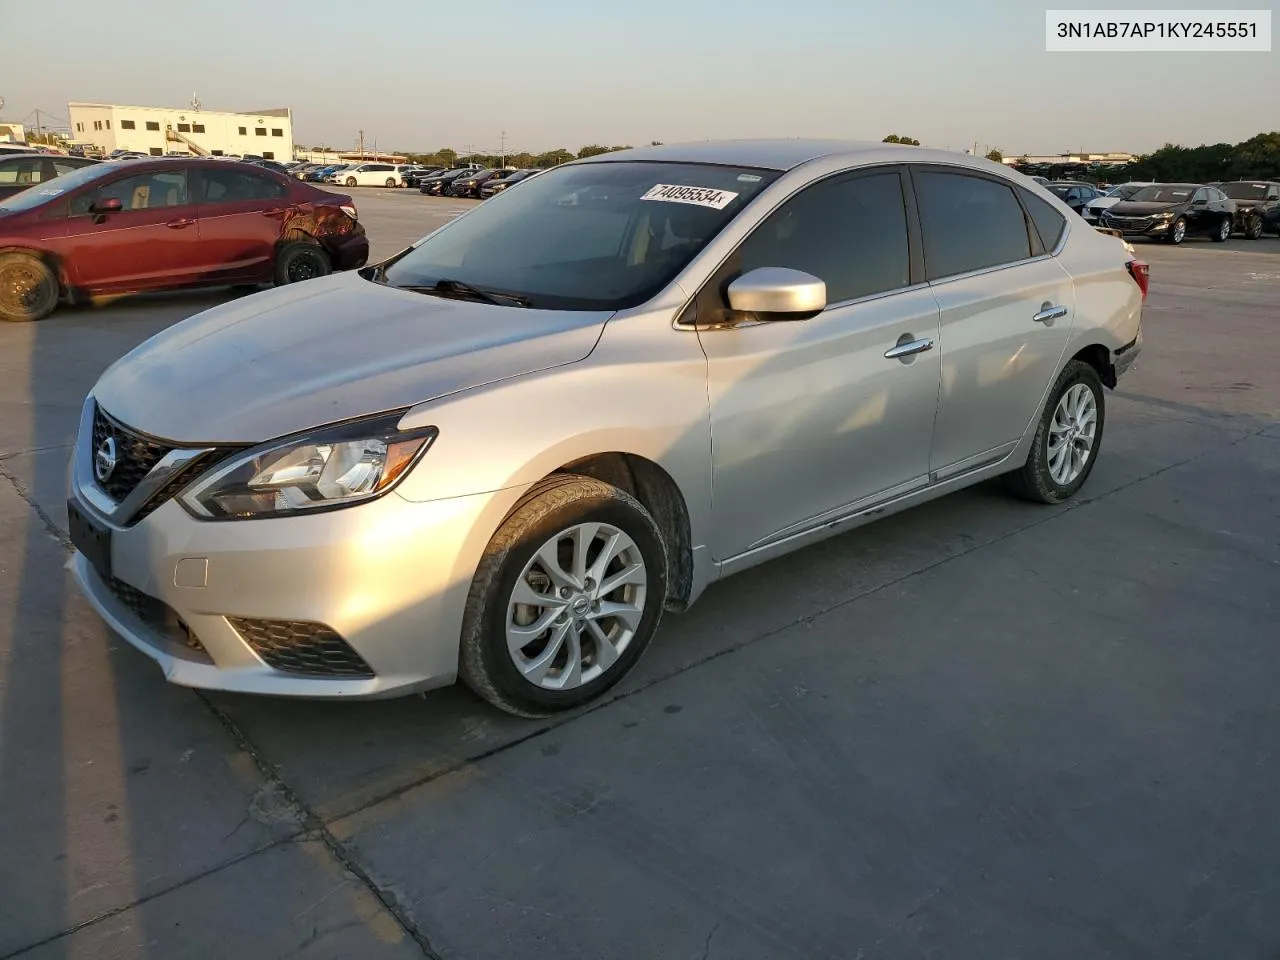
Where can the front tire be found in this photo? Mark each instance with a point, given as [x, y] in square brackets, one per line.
[1177, 232]
[28, 288]
[351, 181]
[1067, 439]
[1253, 228]
[300, 260]
[565, 599]
[1223, 233]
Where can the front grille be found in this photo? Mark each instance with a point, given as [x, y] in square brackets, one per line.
[136, 455]
[307, 649]
[1129, 221]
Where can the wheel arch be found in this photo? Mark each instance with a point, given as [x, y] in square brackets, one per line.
[1099, 357]
[50, 259]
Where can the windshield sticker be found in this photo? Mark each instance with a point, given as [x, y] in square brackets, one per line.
[51, 192]
[748, 178]
[698, 196]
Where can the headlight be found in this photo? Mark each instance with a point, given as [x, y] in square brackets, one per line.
[328, 468]
[1165, 215]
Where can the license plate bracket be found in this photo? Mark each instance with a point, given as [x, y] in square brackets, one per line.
[91, 538]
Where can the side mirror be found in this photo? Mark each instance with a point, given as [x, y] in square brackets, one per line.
[107, 205]
[778, 290]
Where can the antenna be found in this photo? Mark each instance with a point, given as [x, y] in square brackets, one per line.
[195, 102]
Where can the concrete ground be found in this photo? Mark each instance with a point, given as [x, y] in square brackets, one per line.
[980, 729]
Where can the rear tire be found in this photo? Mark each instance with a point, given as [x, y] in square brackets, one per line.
[300, 260]
[1223, 233]
[1036, 480]
[391, 181]
[580, 652]
[28, 288]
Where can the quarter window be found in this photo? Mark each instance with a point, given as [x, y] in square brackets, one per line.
[851, 233]
[147, 191]
[1049, 223]
[22, 172]
[969, 223]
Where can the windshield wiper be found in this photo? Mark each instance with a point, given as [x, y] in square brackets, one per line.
[447, 286]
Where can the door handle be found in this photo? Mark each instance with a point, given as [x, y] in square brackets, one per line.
[1048, 314]
[908, 348]
[179, 224]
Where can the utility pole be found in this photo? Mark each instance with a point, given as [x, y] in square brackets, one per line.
[361, 144]
[503, 138]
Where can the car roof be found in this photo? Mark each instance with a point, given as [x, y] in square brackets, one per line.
[788, 154]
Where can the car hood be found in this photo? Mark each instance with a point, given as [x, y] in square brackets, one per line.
[1127, 208]
[325, 350]
[1103, 203]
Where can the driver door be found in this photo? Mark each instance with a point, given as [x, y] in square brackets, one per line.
[809, 418]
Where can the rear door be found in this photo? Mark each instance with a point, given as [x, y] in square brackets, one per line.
[1006, 310]
[242, 213]
[151, 242]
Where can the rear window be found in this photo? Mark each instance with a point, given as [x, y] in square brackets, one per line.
[969, 223]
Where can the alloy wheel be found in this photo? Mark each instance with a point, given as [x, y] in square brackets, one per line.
[1224, 229]
[1071, 434]
[19, 286]
[576, 606]
[1179, 231]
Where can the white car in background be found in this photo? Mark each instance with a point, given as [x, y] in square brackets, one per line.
[373, 175]
[1092, 211]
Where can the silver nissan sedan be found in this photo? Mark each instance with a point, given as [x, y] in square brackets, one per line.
[503, 453]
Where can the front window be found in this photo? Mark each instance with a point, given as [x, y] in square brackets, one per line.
[59, 187]
[1164, 193]
[596, 236]
[1245, 191]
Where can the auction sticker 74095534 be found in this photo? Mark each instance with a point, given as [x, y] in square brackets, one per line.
[699, 196]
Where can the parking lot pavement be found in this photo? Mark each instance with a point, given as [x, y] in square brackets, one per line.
[980, 728]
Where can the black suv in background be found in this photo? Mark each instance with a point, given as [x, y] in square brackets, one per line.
[1257, 206]
[1173, 212]
[437, 184]
[1074, 193]
[414, 178]
[470, 186]
[498, 184]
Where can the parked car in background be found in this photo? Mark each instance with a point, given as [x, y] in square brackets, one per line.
[414, 178]
[1073, 193]
[369, 175]
[160, 223]
[1172, 212]
[1093, 209]
[1257, 206]
[20, 171]
[499, 184]
[269, 165]
[470, 184]
[436, 184]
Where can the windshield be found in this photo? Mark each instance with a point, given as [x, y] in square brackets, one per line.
[57, 187]
[1062, 189]
[1165, 193]
[596, 236]
[1124, 191]
[1245, 191]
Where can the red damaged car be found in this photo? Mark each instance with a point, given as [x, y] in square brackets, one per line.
[142, 225]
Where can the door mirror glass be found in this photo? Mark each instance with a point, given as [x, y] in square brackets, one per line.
[778, 290]
[107, 205]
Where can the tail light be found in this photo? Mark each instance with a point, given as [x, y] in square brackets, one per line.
[350, 211]
[1141, 273]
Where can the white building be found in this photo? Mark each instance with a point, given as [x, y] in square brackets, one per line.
[12, 132]
[161, 130]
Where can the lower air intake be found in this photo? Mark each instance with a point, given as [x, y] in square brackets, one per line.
[298, 647]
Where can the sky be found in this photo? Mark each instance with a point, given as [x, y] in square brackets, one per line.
[417, 75]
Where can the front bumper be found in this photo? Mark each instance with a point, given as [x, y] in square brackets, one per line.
[389, 578]
[1153, 228]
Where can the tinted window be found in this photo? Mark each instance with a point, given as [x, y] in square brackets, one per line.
[1049, 223]
[146, 191]
[850, 233]
[229, 186]
[968, 223]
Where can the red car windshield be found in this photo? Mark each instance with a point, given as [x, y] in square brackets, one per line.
[51, 190]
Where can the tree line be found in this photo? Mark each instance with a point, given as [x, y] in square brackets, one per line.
[522, 159]
[1255, 158]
